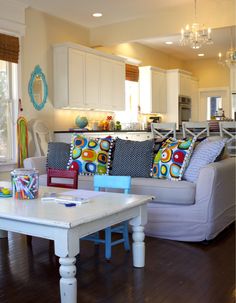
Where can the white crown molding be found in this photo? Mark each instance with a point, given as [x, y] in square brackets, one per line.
[12, 17]
[13, 28]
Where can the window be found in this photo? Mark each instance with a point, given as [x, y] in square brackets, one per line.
[131, 103]
[8, 95]
[9, 53]
[130, 115]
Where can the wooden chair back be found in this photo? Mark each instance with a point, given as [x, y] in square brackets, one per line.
[116, 182]
[168, 128]
[66, 174]
[195, 129]
[228, 129]
[41, 136]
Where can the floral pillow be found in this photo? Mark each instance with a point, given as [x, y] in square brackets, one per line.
[90, 155]
[172, 159]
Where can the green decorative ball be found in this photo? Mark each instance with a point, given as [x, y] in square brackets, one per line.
[81, 122]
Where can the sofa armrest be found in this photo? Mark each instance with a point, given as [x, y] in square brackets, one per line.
[36, 162]
[216, 187]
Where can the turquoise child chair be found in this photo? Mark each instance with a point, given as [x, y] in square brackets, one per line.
[114, 182]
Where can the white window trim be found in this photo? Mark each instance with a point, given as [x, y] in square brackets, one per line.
[7, 167]
[15, 96]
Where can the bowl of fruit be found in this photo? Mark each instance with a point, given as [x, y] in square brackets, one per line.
[5, 189]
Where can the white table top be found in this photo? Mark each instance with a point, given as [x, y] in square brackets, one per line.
[50, 213]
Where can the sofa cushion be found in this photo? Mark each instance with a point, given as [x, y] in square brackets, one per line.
[206, 152]
[164, 191]
[58, 155]
[172, 159]
[90, 155]
[132, 158]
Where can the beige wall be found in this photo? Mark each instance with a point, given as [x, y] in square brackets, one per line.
[42, 31]
[147, 55]
[209, 72]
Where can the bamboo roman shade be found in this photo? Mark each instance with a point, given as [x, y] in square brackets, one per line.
[131, 72]
[9, 48]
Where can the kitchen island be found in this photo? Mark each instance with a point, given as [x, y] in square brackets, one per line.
[137, 135]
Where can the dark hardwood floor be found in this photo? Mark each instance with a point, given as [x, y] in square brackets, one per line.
[175, 272]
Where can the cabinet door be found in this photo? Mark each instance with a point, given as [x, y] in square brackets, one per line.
[118, 86]
[194, 100]
[76, 69]
[159, 102]
[185, 85]
[60, 77]
[106, 99]
[92, 81]
[162, 93]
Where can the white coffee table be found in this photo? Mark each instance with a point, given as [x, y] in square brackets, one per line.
[66, 225]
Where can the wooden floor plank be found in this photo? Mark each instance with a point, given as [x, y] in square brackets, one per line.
[175, 272]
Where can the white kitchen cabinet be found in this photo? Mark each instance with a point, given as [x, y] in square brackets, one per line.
[233, 79]
[92, 81]
[152, 90]
[185, 82]
[181, 83]
[88, 79]
[112, 85]
[118, 86]
[69, 64]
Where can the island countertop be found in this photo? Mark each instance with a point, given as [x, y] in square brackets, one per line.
[100, 131]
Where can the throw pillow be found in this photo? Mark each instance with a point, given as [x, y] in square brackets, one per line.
[90, 155]
[58, 155]
[157, 144]
[205, 153]
[132, 158]
[172, 159]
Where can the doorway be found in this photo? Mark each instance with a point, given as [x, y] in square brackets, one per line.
[211, 100]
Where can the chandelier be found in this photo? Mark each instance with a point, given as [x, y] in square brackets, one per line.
[230, 56]
[197, 34]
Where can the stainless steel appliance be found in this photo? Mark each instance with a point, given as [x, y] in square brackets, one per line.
[184, 109]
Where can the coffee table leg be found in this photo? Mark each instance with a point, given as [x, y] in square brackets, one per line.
[68, 282]
[138, 246]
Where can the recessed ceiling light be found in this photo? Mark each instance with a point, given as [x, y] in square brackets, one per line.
[201, 55]
[97, 15]
[169, 42]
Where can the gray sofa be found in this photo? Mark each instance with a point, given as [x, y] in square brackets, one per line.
[181, 210]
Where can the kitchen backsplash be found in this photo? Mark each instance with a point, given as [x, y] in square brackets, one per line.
[65, 119]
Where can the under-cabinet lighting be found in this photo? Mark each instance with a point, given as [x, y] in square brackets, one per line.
[169, 42]
[201, 55]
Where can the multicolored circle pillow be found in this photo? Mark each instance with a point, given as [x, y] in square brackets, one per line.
[172, 159]
[90, 155]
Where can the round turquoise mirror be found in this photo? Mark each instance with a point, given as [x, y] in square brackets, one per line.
[38, 88]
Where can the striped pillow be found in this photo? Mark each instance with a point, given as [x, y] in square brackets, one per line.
[205, 153]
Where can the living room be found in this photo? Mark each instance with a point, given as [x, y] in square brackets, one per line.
[129, 34]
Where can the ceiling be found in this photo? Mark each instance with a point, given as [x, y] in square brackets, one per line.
[80, 12]
[220, 36]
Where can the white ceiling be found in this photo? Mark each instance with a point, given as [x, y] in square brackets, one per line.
[220, 36]
[114, 11]
[80, 12]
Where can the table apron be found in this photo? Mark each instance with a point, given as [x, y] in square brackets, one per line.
[66, 240]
